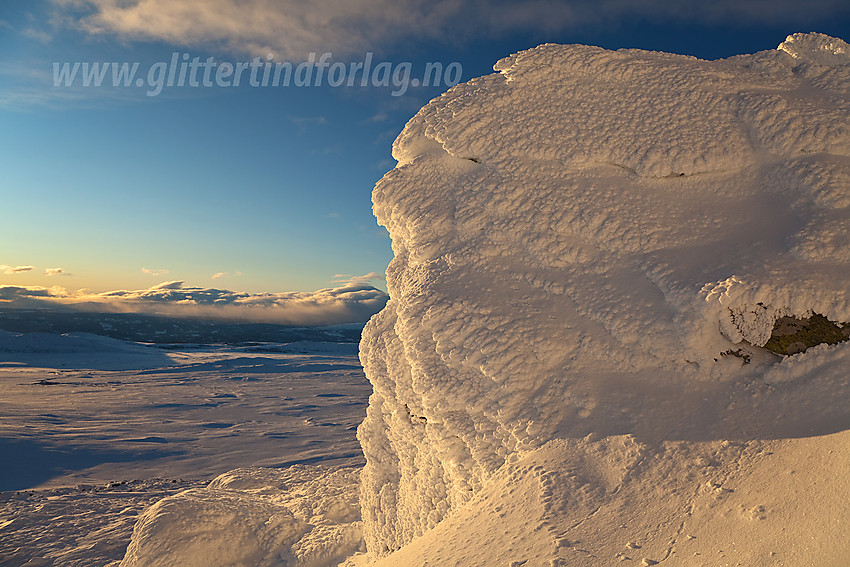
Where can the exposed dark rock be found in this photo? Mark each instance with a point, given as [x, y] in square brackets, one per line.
[792, 335]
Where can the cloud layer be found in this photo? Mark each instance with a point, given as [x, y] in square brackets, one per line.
[291, 29]
[349, 303]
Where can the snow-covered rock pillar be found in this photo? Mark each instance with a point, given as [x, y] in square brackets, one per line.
[580, 229]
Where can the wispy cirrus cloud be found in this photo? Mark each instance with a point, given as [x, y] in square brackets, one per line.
[151, 272]
[304, 122]
[219, 275]
[9, 270]
[346, 303]
[56, 272]
[358, 280]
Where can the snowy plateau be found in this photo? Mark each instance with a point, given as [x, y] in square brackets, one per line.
[592, 251]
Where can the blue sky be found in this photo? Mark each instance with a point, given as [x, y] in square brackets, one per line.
[266, 188]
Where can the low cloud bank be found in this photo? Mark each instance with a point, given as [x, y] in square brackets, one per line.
[349, 303]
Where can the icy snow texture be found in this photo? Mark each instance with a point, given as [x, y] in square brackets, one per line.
[585, 234]
[304, 516]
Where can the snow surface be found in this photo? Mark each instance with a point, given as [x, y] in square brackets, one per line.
[86, 450]
[592, 243]
[77, 350]
[591, 248]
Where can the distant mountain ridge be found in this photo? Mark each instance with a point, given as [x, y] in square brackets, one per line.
[161, 329]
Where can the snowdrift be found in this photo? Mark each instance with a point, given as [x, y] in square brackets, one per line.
[77, 350]
[591, 251]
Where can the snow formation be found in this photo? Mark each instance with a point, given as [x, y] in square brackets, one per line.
[591, 243]
[304, 516]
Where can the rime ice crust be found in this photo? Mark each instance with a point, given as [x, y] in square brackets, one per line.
[816, 47]
[584, 230]
[303, 516]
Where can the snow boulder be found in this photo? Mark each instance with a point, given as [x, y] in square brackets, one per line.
[592, 243]
[303, 516]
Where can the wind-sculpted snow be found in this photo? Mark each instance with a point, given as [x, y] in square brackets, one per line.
[305, 516]
[591, 242]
